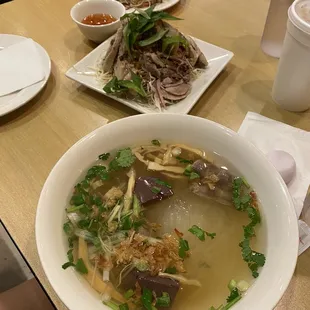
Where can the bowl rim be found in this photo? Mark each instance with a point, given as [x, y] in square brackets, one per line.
[291, 210]
[78, 4]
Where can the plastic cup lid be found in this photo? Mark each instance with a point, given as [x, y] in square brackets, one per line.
[299, 14]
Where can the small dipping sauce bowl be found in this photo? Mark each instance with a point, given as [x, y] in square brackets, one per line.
[97, 33]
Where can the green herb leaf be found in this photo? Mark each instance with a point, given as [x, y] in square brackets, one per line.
[123, 307]
[77, 199]
[163, 15]
[97, 171]
[155, 142]
[233, 295]
[68, 264]
[156, 37]
[126, 223]
[104, 156]
[183, 247]
[80, 266]
[163, 301]
[146, 298]
[211, 235]
[183, 160]
[160, 182]
[194, 175]
[129, 294]
[188, 170]
[171, 270]
[175, 41]
[68, 228]
[198, 232]
[123, 159]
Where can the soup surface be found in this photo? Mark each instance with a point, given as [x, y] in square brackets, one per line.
[193, 202]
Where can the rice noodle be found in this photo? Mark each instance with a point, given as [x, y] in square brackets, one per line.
[157, 167]
[180, 278]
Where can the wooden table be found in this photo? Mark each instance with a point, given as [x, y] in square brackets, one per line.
[34, 137]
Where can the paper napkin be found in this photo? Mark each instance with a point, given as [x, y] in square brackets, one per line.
[20, 67]
[267, 135]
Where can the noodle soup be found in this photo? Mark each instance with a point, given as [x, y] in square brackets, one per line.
[165, 226]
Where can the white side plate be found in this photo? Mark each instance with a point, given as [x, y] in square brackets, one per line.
[216, 56]
[166, 4]
[15, 100]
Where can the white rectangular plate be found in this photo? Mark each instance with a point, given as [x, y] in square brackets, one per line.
[216, 56]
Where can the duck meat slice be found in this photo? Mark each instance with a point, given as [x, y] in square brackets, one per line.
[197, 58]
[172, 97]
[150, 189]
[178, 90]
[109, 59]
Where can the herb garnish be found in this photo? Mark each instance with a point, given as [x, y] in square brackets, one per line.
[146, 299]
[123, 159]
[79, 266]
[163, 301]
[118, 86]
[190, 173]
[243, 201]
[171, 270]
[104, 156]
[155, 142]
[160, 182]
[233, 298]
[129, 294]
[183, 247]
[183, 160]
[200, 233]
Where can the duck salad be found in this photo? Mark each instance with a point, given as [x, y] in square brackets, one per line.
[150, 61]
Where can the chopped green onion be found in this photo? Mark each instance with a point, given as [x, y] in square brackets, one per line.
[232, 284]
[129, 294]
[111, 304]
[68, 228]
[194, 175]
[163, 301]
[146, 298]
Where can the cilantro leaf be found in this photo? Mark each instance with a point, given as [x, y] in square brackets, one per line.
[97, 171]
[160, 182]
[68, 228]
[123, 159]
[211, 235]
[183, 247]
[198, 232]
[155, 189]
[80, 266]
[194, 175]
[163, 301]
[104, 156]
